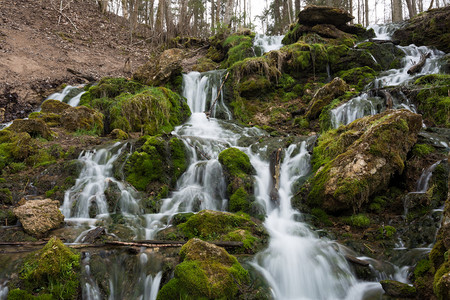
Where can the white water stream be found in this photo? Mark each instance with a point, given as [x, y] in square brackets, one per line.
[364, 104]
[268, 43]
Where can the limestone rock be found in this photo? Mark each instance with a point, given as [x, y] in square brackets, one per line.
[161, 69]
[33, 127]
[397, 289]
[358, 160]
[430, 28]
[337, 87]
[313, 15]
[81, 117]
[39, 216]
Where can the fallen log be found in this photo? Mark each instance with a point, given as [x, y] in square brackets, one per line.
[418, 66]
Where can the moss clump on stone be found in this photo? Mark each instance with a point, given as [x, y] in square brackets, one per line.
[359, 220]
[433, 100]
[420, 150]
[353, 162]
[52, 270]
[358, 77]
[239, 47]
[111, 87]
[156, 164]
[207, 272]
[236, 162]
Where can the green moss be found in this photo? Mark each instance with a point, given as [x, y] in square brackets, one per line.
[321, 216]
[386, 232]
[422, 268]
[111, 88]
[239, 201]
[6, 196]
[207, 272]
[254, 87]
[18, 294]
[359, 220]
[52, 270]
[358, 77]
[179, 158]
[421, 150]
[433, 100]
[438, 284]
[236, 162]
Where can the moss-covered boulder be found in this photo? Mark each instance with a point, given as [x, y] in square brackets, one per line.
[35, 128]
[38, 217]
[223, 226]
[207, 272]
[430, 28]
[337, 87]
[397, 289]
[49, 273]
[54, 106]
[156, 165]
[239, 176]
[430, 94]
[355, 161]
[358, 77]
[161, 69]
[82, 118]
[239, 46]
[387, 55]
[131, 107]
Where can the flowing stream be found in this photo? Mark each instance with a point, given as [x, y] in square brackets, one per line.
[368, 104]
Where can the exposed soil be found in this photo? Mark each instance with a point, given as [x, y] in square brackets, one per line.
[38, 45]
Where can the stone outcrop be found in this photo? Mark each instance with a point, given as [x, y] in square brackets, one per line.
[162, 69]
[430, 28]
[313, 15]
[39, 216]
[337, 87]
[34, 128]
[356, 161]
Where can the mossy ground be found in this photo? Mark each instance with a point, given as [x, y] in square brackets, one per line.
[50, 273]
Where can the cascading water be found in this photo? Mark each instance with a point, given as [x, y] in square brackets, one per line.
[267, 43]
[86, 201]
[3, 290]
[203, 185]
[70, 94]
[297, 264]
[422, 183]
[365, 104]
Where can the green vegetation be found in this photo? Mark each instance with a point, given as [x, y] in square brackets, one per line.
[207, 272]
[359, 220]
[433, 99]
[358, 77]
[51, 273]
[420, 150]
[236, 162]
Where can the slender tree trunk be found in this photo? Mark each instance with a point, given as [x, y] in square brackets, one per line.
[397, 13]
[297, 8]
[366, 9]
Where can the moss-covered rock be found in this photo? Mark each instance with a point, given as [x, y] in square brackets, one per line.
[432, 100]
[156, 165]
[357, 160]
[161, 69]
[52, 271]
[324, 96]
[207, 272]
[238, 174]
[129, 106]
[35, 128]
[427, 29]
[239, 47]
[82, 118]
[54, 106]
[387, 55]
[397, 289]
[358, 77]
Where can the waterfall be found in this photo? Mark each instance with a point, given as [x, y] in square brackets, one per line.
[364, 104]
[297, 264]
[268, 43]
[422, 183]
[63, 96]
[3, 290]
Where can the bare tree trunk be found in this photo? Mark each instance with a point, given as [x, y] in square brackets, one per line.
[297, 8]
[218, 12]
[397, 13]
[431, 4]
[366, 9]
[411, 5]
[228, 12]
[212, 16]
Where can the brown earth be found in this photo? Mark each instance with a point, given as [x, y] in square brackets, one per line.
[38, 45]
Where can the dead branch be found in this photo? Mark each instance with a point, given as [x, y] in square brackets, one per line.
[417, 67]
[208, 113]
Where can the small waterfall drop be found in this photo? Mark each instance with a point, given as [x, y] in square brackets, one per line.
[422, 183]
[365, 104]
[63, 95]
[297, 264]
[3, 290]
[268, 43]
